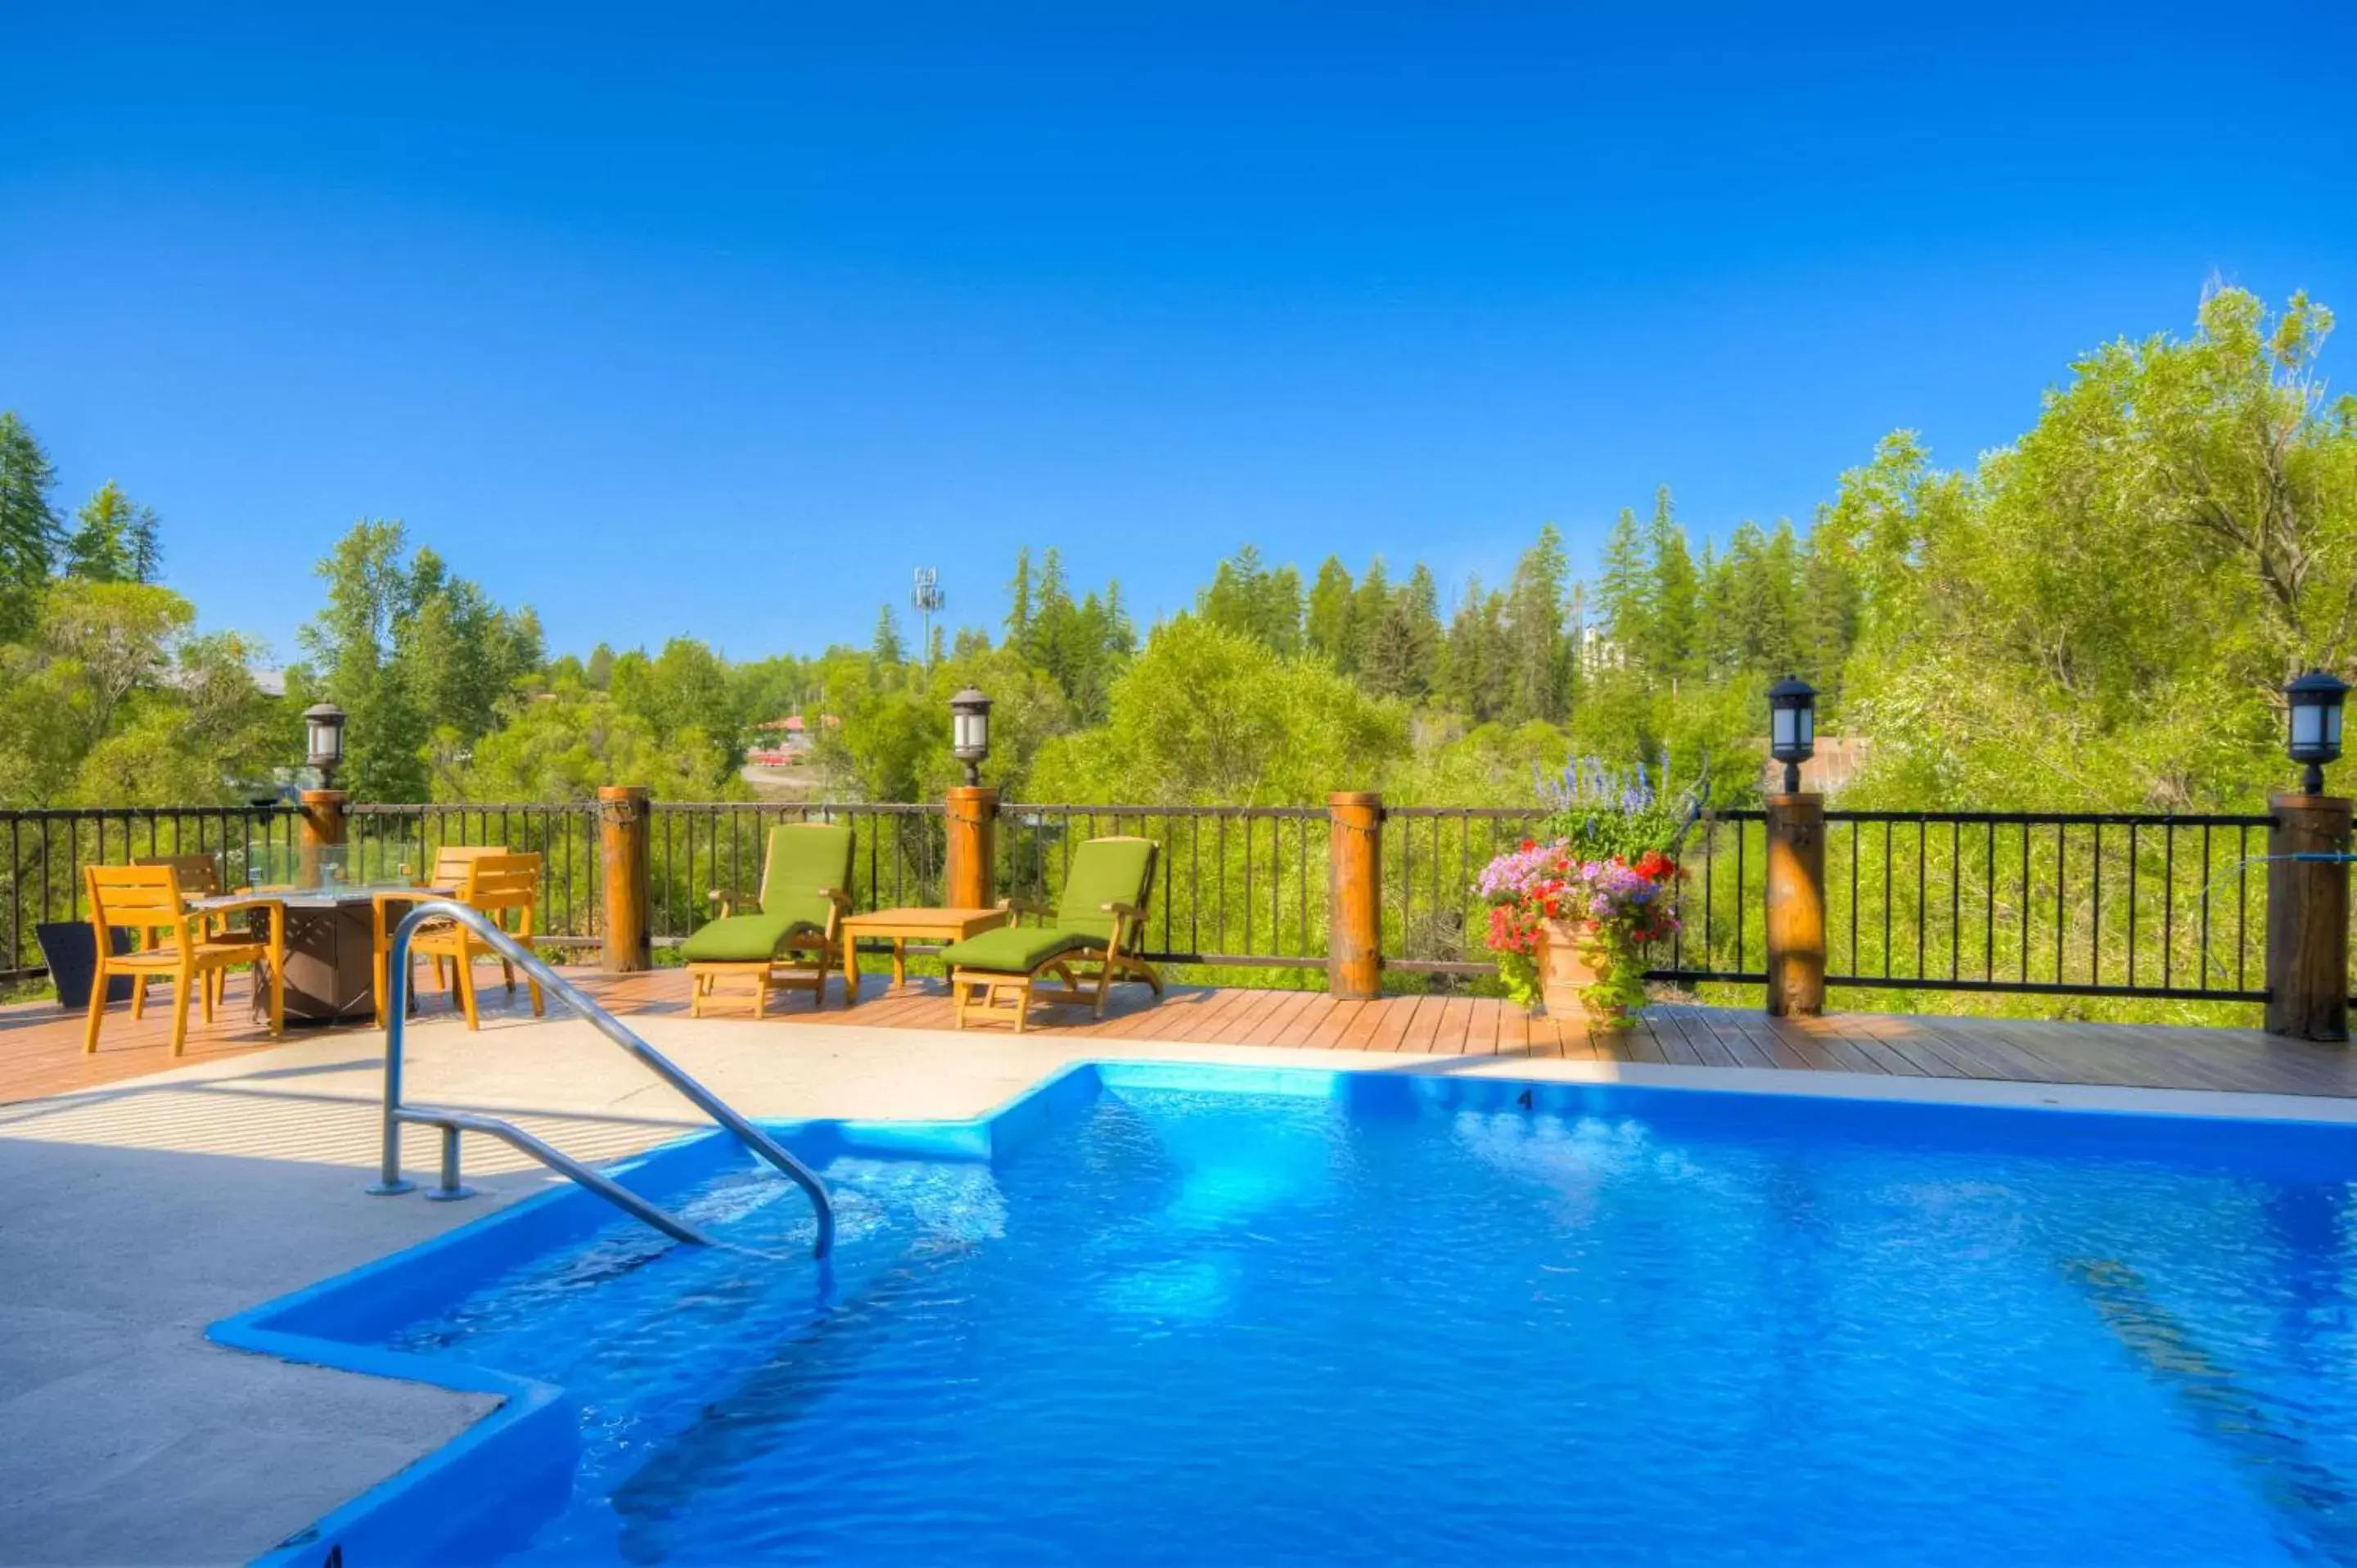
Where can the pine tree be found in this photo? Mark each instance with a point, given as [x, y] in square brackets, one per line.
[1538, 684]
[1059, 641]
[1404, 654]
[1247, 597]
[1673, 631]
[1018, 614]
[28, 525]
[1279, 615]
[1417, 607]
[1329, 629]
[1369, 603]
[886, 649]
[1474, 663]
[1781, 637]
[113, 540]
[1718, 646]
[1121, 635]
[1624, 599]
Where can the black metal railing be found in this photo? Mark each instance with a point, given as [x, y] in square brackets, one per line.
[2132, 905]
[1436, 924]
[2086, 904]
[399, 842]
[2139, 905]
[46, 850]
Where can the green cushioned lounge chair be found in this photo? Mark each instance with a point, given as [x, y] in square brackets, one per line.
[1085, 945]
[793, 936]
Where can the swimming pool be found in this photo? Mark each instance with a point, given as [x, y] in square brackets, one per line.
[1179, 1314]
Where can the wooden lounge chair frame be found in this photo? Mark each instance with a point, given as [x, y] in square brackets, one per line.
[1083, 975]
[804, 962]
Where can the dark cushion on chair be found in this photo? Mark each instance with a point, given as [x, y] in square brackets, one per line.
[746, 939]
[1011, 950]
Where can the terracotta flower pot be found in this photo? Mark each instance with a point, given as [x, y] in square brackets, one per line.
[1568, 966]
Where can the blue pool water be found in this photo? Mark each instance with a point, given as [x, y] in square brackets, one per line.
[1177, 1325]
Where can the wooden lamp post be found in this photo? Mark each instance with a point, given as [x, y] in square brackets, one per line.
[1796, 859]
[323, 808]
[2307, 875]
[973, 806]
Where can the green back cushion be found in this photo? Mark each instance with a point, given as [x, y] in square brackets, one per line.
[1104, 871]
[805, 859]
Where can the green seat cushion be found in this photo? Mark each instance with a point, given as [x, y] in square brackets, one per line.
[804, 860]
[1104, 871]
[746, 939]
[1012, 949]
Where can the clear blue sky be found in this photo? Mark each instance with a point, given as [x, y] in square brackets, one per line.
[718, 320]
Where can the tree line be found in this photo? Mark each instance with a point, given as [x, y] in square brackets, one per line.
[2099, 614]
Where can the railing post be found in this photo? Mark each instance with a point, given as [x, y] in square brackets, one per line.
[322, 827]
[1354, 895]
[623, 817]
[973, 829]
[2308, 917]
[1796, 905]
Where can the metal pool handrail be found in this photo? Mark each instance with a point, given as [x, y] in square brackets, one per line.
[453, 1123]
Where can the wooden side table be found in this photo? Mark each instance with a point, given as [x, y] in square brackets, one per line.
[902, 927]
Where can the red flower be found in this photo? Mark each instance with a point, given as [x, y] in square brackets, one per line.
[1529, 844]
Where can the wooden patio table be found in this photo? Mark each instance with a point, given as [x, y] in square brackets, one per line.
[904, 926]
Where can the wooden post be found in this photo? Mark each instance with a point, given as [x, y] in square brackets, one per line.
[973, 824]
[322, 827]
[1354, 895]
[2308, 919]
[623, 819]
[1796, 905]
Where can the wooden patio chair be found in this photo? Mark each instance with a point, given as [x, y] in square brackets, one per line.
[1087, 945]
[504, 887]
[199, 878]
[794, 937]
[176, 943]
[450, 863]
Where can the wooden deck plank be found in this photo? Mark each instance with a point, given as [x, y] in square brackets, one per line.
[1340, 1021]
[1281, 1017]
[1512, 1035]
[1305, 1023]
[1393, 1016]
[41, 1047]
[1455, 1027]
[1243, 1024]
[1362, 1026]
[1671, 1040]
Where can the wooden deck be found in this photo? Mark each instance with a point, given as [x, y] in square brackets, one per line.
[40, 1048]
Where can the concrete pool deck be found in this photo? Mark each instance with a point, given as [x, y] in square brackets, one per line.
[134, 1214]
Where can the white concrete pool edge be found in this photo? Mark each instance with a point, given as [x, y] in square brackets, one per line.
[133, 1216]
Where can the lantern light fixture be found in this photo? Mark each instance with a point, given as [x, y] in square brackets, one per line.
[2314, 701]
[970, 731]
[1791, 726]
[323, 735]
